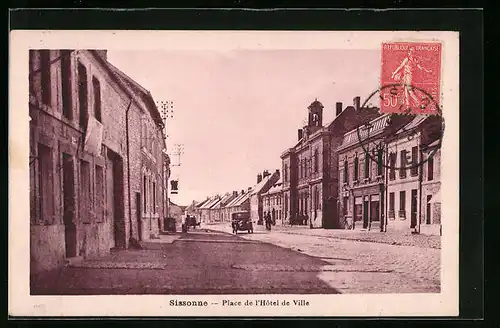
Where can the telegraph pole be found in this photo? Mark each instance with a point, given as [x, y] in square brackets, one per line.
[166, 108]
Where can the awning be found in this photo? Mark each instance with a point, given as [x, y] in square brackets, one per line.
[436, 198]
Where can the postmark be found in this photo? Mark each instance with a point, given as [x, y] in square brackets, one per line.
[416, 68]
[400, 124]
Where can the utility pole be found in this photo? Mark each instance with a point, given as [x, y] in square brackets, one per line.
[167, 112]
[178, 152]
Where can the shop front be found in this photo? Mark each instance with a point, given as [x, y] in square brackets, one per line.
[367, 211]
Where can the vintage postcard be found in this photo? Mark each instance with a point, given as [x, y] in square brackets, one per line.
[234, 173]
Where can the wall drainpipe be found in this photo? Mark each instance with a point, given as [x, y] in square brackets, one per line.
[128, 169]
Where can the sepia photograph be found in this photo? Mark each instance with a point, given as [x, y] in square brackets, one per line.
[241, 167]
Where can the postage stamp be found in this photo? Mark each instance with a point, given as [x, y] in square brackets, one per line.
[413, 72]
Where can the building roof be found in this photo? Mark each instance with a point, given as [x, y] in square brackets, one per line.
[144, 94]
[235, 200]
[373, 128]
[201, 204]
[215, 203]
[261, 185]
[242, 199]
[417, 120]
[276, 188]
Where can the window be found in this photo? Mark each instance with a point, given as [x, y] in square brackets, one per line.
[356, 168]
[367, 165]
[402, 204]
[414, 159]
[46, 184]
[428, 210]
[85, 192]
[316, 160]
[99, 193]
[402, 169]
[430, 169]
[154, 197]
[97, 99]
[83, 95]
[380, 167]
[145, 191]
[346, 171]
[285, 173]
[45, 76]
[67, 101]
[391, 205]
[345, 205]
[392, 173]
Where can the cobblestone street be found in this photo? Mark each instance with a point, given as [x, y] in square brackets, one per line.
[213, 261]
[366, 266]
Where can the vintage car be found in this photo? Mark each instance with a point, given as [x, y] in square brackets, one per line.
[240, 221]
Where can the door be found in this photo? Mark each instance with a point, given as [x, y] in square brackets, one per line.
[365, 214]
[413, 208]
[110, 201]
[138, 215]
[428, 214]
[69, 205]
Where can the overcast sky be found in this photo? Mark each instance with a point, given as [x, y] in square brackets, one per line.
[236, 111]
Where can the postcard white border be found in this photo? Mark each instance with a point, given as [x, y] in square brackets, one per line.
[22, 304]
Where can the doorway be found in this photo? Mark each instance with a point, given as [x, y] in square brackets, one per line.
[428, 214]
[365, 214]
[138, 215]
[413, 208]
[69, 206]
[115, 199]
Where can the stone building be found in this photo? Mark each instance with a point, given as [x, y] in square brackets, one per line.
[272, 202]
[310, 167]
[220, 214]
[361, 158]
[408, 192]
[431, 189]
[85, 157]
[238, 204]
[264, 182]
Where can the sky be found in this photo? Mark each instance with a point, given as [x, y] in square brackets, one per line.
[236, 111]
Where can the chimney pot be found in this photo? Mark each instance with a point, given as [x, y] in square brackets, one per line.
[259, 177]
[242, 191]
[338, 109]
[357, 102]
[299, 134]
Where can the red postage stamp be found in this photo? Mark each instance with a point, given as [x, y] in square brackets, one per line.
[410, 79]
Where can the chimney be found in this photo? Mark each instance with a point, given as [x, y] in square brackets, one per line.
[259, 178]
[242, 191]
[265, 174]
[235, 193]
[278, 172]
[338, 109]
[300, 133]
[357, 102]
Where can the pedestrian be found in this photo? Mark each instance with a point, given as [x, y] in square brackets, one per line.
[306, 219]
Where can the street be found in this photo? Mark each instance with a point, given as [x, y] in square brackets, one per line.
[213, 261]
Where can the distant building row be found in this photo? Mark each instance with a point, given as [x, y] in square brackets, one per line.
[363, 170]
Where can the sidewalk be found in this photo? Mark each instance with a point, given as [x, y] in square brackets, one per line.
[390, 238]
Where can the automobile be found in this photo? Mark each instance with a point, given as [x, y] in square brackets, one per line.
[240, 221]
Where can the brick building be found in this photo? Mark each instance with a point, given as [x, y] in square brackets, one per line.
[85, 157]
[310, 167]
[361, 158]
[409, 188]
[272, 202]
[264, 182]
